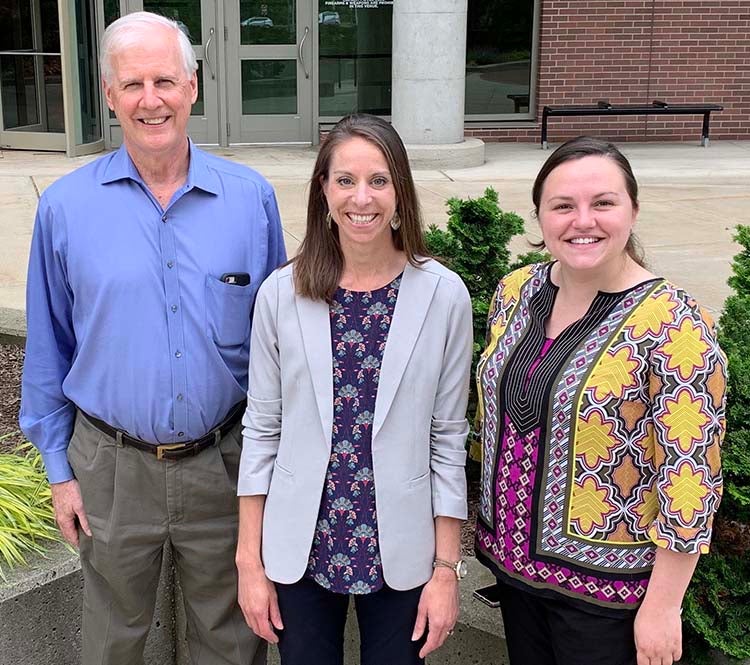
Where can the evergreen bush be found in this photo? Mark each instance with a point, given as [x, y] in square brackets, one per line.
[717, 605]
[26, 515]
[475, 246]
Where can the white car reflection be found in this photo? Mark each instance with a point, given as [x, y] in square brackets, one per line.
[257, 22]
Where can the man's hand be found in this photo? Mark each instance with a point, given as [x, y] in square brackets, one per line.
[438, 610]
[68, 505]
[658, 634]
[256, 595]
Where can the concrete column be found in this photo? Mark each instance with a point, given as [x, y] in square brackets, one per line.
[429, 70]
[428, 79]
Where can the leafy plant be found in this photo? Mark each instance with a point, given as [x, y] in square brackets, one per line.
[26, 516]
[490, 56]
[717, 605]
[475, 246]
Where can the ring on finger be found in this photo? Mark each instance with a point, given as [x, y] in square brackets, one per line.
[450, 632]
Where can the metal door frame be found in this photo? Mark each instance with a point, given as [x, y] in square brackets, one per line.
[216, 14]
[207, 53]
[37, 139]
[303, 52]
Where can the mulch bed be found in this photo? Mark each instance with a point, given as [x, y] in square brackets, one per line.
[11, 362]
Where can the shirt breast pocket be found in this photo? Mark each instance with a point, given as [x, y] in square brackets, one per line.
[228, 310]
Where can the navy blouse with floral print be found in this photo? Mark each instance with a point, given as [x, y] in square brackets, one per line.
[345, 557]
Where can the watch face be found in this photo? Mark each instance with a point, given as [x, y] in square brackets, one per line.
[462, 569]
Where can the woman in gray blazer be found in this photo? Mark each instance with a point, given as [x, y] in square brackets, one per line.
[352, 474]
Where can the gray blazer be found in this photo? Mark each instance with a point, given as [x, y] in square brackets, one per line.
[418, 433]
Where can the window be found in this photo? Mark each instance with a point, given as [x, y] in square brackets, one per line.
[499, 49]
[355, 57]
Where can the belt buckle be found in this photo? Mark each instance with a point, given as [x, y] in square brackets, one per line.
[160, 450]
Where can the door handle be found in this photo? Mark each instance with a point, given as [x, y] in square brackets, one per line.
[207, 56]
[299, 53]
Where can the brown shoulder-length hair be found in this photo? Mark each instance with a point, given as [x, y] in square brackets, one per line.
[320, 262]
[586, 146]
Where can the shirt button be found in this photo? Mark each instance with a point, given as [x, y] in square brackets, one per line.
[180, 433]
[178, 354]
[173, 308]
[179, 397]
[170, 264]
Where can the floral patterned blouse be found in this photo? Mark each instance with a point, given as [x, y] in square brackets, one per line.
[345, 557]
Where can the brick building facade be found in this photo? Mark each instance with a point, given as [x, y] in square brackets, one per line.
[635, 51]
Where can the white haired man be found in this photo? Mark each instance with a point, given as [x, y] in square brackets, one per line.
[143, 271]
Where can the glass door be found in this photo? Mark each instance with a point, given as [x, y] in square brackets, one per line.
[269, 56]
[198, 20]
[255, 68]
[31, 84]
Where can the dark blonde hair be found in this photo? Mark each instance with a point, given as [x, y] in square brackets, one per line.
[320, 262]
[588, 146]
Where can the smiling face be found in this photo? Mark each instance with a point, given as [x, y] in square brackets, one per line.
[151, 95]
[360, 194]
[586, 214]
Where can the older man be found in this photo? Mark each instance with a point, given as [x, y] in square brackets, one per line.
[143, 270]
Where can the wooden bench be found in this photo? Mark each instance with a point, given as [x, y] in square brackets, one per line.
[657, 107]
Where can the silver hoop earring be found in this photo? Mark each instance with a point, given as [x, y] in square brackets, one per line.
[395, 222]
[329, 220]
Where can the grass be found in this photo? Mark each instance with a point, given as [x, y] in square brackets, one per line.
[27, 522]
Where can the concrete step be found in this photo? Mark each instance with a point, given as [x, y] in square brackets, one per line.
[40, 615]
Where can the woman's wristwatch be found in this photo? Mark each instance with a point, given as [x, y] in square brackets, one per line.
[459, 567]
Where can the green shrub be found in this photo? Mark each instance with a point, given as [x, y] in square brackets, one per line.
[475, 246]
[26, 516]
[717, 605]
[491, 56]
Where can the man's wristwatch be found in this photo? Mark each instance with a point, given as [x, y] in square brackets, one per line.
[459, 567]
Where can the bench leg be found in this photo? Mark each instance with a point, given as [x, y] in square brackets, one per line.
[704, 130]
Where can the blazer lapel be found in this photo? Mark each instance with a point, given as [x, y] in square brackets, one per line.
[414, 298]
[315, 324]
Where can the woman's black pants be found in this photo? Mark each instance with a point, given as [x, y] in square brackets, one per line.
[546, 631]
[314, 621]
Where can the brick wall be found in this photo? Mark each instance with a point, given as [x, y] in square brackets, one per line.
[635, 51]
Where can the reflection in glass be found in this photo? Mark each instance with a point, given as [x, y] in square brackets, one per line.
[111, 11]
[198, 107]
[32, 93]
[19, 91]
[88, 122]
[15, 25]
[269, 87]
[50, 26]
[268, 22]
[187, 14]
[355, 58]
[54, 116]
[498, 56]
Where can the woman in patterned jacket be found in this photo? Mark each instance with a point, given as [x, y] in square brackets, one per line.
[602, 393]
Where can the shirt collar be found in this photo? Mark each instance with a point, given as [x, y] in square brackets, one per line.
[121, 167]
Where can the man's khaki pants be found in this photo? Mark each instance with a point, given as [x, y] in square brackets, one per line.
[135, 504]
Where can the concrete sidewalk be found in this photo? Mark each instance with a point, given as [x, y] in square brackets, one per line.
[691, 199]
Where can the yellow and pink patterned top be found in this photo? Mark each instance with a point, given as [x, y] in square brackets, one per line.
[599, 446]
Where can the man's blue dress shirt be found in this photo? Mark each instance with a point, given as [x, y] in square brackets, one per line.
[127, 317]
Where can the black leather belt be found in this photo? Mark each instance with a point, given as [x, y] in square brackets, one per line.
[173, 451]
